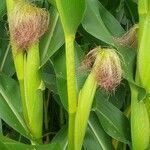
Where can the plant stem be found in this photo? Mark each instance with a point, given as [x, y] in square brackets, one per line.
[143, 10]
[71, 131]
[71, 87]
[140, 114]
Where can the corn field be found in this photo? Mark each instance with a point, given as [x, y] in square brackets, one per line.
[74, 74]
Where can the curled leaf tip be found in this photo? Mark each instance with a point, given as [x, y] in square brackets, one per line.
[129, 39]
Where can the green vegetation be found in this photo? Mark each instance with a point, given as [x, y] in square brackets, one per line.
[75, 74]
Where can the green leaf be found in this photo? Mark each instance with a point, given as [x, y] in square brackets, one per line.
[1, 128]
[2, 8]
[111, 6]
[95, 136]
[52, 2]
[52, 146]
[131, 10]
[10, 106]
[128, 56]
[2, 146]
[61, 138]
[13, 145]
[48, 77]
[100, 23]
[6, 61]
[111, 23]
[112, 119]
[71, 13]
[120, 96]
[59, 61]
[53, 39]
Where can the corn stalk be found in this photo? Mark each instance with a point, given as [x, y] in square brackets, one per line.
[140, 110]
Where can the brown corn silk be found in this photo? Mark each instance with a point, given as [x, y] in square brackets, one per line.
[107, 69]
[108, 72]
[129, 39]
[27, 24]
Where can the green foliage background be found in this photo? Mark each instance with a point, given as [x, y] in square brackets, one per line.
[108, 124]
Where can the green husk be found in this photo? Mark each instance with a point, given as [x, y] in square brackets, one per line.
[27, 62]
[140, 110]
[107, 64]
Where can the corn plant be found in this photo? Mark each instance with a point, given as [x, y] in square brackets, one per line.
[74, 75]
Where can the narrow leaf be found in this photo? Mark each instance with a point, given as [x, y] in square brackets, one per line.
[95, 134]
[113, 120]
[53, 39]
[10, 104]
[61, 138]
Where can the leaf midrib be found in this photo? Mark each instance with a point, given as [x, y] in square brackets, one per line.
[96, 135]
